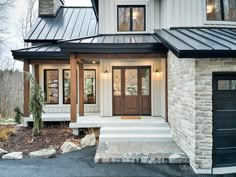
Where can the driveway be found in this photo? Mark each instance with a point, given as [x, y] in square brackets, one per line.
[81, 164]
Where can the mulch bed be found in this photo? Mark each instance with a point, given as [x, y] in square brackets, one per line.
[52, 136]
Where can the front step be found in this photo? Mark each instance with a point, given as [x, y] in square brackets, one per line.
[135, 130]
[135, 138]
[127, 123]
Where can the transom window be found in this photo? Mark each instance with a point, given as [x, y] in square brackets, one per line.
[221, 10]
[131, 18]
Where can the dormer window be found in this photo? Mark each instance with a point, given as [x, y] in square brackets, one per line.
[131, 18]
[221, 10]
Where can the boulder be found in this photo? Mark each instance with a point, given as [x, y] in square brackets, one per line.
[69, 147]
[13, 156]
[44, 153]
[2, 151]
[88, 140]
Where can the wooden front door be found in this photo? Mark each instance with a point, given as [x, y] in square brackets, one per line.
[131, 91]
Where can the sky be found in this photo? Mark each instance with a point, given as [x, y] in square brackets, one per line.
[13, 34]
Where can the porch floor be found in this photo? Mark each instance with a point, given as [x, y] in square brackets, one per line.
[152, 153]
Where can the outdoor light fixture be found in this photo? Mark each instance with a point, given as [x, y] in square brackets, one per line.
[94, 62]
[157, 71]
[106, 72]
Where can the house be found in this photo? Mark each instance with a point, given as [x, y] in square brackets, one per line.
[173, 59]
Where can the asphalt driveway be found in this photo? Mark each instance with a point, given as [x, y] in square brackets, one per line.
[80, 164]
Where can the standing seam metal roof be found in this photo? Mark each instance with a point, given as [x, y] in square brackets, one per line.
[199, 42]
[69, 23]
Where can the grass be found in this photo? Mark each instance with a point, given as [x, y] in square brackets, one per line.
[6, 132]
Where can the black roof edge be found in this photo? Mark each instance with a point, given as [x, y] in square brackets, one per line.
[202, 27]
[95, 8]
[39, 55]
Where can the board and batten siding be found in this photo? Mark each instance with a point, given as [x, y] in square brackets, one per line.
[108, 15]
[159, 14]
[158, 84]
[65, 108]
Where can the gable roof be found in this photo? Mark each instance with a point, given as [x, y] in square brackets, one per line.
[201, 42]
[69, 23]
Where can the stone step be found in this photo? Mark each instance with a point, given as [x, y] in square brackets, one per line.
[135, 130]
[136, 138]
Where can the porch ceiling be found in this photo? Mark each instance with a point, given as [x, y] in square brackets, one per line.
[200, 42]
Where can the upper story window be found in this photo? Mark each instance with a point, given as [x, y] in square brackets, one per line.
[221, 10]
[131, 18]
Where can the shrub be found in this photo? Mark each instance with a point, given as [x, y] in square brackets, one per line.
[18, 115]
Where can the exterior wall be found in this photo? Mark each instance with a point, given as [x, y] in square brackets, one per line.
[49, 7]
[186, 13]
[157, 82]
[108, 14]
[190, 105]
[65, 108]
[181, 103]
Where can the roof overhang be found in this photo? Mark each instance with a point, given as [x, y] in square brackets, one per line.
[43, 52]
[115, 44]
[199, 42]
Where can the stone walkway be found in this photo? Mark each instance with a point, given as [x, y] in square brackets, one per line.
[152, 153]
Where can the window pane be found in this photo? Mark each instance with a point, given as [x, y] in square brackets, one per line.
[131, 82]
[226, 84]
[117, 82]
[51, 86]
[138, 19]
[230, 10]
[214, 10]
[90, 86]
[124, 19]
[145, 81]
[66, 89]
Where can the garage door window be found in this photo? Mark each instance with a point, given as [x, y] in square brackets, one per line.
[226, 85]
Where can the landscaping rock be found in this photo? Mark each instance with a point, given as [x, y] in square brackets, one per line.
[44, 153]
[88, 140]
[2, 151]
[69, 147]
[13, 156]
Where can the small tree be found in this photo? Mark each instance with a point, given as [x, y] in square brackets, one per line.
[36, 103]
[18, 115]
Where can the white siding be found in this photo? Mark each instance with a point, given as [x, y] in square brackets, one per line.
[65, 108]
[157, 82]
[108, 14]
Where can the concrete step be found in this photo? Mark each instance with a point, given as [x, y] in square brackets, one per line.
[135, 130]
[136, 138]
[135, 124]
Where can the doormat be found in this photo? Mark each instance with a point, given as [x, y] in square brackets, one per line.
[130, 117]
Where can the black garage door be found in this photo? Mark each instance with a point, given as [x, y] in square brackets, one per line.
[224, 119]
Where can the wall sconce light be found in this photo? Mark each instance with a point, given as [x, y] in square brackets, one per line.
[106, 72]
[157, 71]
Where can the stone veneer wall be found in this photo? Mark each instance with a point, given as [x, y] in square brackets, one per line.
[190, 105]
[49, 7]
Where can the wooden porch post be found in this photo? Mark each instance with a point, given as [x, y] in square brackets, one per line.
[26, 88]
[81, 89]
[36, 73]
[73, 95]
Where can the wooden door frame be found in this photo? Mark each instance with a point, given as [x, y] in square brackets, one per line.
[123, 68]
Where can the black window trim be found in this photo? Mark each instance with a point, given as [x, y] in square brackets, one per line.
[95, 71]
[45, 86]
[222, 13]
[131, 17]
[63, 87]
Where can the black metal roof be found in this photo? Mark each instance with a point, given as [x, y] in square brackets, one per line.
[50, 51]
[115, 44]
[199, 42]
[70, 23]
